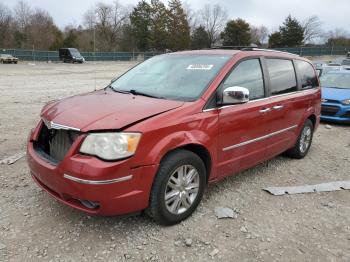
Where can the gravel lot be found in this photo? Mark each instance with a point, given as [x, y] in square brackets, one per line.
[35, 227]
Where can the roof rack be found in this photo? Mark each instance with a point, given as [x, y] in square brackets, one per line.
[251, 48]
[271, 50]
[231, 47]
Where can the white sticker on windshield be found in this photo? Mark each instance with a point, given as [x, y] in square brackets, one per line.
[199, 67]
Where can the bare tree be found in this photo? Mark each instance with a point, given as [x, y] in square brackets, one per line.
[107, 20]
[213, 18]
[5, 25]
[338, 33]
[89, 18]
[22, 14]
[192, 16]
[259, 34]
[41, 30]
[312, 28]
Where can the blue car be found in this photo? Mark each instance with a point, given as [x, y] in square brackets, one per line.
[336, 96]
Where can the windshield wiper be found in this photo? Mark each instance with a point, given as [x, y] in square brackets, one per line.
[117, 90]
[337, 87]
[134, 92]
[138, 93]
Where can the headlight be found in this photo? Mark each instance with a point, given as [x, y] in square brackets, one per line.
[110, 146]
[346, 102]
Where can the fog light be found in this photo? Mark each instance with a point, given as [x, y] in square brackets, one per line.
[89, 204]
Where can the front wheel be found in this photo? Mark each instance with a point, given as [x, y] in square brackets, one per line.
[302, 146]
[178, 187]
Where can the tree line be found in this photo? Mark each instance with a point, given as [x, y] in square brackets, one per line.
[152, 25]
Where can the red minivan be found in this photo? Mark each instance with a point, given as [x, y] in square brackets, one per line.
[156, 136]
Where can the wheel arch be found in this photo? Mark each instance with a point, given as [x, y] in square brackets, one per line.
[201, 151]
[313, 118]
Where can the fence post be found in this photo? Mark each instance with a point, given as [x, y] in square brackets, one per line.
[33, 54]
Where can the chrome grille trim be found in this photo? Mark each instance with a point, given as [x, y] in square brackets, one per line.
[53, 125]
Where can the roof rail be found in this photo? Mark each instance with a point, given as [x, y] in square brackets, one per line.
[270, 50]
[231, 47]
[250, 48]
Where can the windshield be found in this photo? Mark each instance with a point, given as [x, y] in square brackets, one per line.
[176, 77]
[6, 56]
[75, 52]
[338, 80]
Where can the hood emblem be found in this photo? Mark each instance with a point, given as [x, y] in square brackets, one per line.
[53, 125]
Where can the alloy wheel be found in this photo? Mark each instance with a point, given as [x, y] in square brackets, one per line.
[182, 189]
[305, 139]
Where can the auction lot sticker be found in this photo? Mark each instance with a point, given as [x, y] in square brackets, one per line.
[199, 67]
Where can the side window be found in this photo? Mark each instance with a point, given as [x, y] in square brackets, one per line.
[247, 74]
[307, 74]
[282, 76]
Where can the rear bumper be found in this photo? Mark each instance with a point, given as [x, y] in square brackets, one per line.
[117, 188]
[10, 61]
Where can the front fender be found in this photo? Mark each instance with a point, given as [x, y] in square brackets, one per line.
[163, 134]
[177, 140]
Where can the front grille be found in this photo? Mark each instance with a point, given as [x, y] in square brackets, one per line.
[53, 144]
[329, 110]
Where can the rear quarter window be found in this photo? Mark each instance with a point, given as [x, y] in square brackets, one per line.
[282, 76]
[307, 74]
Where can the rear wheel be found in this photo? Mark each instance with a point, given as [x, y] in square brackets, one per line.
[302, 146]
[178, 187]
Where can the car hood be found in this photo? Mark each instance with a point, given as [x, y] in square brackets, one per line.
[335, 93]
[103, 110]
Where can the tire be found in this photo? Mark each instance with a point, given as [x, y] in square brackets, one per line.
[301, 149]
[182, 204]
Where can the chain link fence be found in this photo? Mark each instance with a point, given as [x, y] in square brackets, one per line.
[36, 55]
[316, 51]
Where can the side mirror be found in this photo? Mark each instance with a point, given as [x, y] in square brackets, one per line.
[235, 95]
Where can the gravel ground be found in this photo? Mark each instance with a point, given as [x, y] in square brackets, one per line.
[35, 227]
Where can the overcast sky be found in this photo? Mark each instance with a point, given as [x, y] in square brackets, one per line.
[333, 13]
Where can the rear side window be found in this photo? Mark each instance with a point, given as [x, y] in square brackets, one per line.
[247, 74]
[282, 76]
[307, 74]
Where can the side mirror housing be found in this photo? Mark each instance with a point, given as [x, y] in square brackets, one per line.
[235, 95]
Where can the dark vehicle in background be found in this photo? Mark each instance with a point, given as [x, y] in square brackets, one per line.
[8, 59]
[336, 96]
[70, 55]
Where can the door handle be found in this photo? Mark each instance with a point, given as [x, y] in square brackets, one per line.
[265, 110]
[277, 107]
